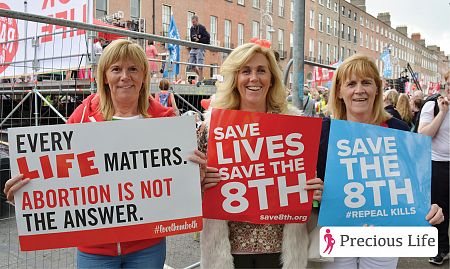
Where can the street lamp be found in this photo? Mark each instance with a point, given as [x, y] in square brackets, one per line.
[266, 20]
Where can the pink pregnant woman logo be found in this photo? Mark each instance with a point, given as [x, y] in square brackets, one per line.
[8, 39]
[328, 238]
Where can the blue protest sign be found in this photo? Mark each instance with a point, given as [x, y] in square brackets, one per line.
[387, 66]
[376, 176]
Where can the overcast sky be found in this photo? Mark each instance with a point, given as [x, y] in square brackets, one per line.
[431, 18]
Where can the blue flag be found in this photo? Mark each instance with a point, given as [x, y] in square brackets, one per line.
[376, 176]
[174, 51]
[387, 66]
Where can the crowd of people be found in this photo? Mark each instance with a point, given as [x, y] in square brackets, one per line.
[253, 83]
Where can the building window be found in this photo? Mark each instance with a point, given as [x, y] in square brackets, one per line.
[269, 6]
[291, 40]
[281, 8]
[311, 48]
[378, 28]
[349, 14]
[269, 33]
[319, 51]
[166, 11]
[342, 31]
[354, 36]
[328, 26]
[135, 9]
[255, 3]
[329, 4]
[320, 22]
[101, 9]
[321, 2]
[343, 10]
[335, 58]
[336, 7]
[227, 34]
[281, 43]
[255, 29]
[327, 54]
[189, 23]
[240, 34]
[361, 39]
[367, 41]
[292, 10]
[372, 47]
[361, 21]
[241, 2]
[335, 28]
[311, 18]
[213, 31]
[349, 30]
[376, 44]
[355, 16]
[342, 53]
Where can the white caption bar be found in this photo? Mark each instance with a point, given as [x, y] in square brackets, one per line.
[378, 241]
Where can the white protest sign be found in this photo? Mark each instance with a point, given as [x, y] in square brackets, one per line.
[54, 49]
[105, 182]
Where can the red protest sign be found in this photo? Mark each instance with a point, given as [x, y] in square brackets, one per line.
[264, 161]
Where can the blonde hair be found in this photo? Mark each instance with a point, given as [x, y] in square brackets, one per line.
[447, 75]
[391, 96]
[404, 108]
[120, 50]
[362, 67]
[227, 95]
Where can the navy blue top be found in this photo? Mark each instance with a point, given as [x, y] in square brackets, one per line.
[199, 31]
[324, 136]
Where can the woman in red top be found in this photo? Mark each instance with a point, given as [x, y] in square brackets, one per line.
[151, 53]
[123, 93]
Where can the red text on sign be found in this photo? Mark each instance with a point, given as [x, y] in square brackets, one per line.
[63, 165]
[50, 29]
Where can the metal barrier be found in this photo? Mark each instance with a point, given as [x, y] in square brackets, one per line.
[44, 98]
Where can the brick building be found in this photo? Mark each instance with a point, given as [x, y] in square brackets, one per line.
[334, 29]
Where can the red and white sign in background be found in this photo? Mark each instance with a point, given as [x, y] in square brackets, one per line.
[264, 161]
[105, 182]
[65, 47]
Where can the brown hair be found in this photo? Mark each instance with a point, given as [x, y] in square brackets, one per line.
[164, 85]
[362, 67]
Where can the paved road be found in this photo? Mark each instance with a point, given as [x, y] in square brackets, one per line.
[182, 251]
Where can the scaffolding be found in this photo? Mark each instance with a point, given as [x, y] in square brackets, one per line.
[37, 93]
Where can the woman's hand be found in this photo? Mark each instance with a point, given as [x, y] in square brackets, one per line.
[435, 215]
[13, 185]
[315, 184]
[209, 176]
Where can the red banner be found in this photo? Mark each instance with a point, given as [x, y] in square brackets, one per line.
[264, 161]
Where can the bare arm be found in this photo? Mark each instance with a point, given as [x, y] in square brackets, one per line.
[431, 128]
[174, 104]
